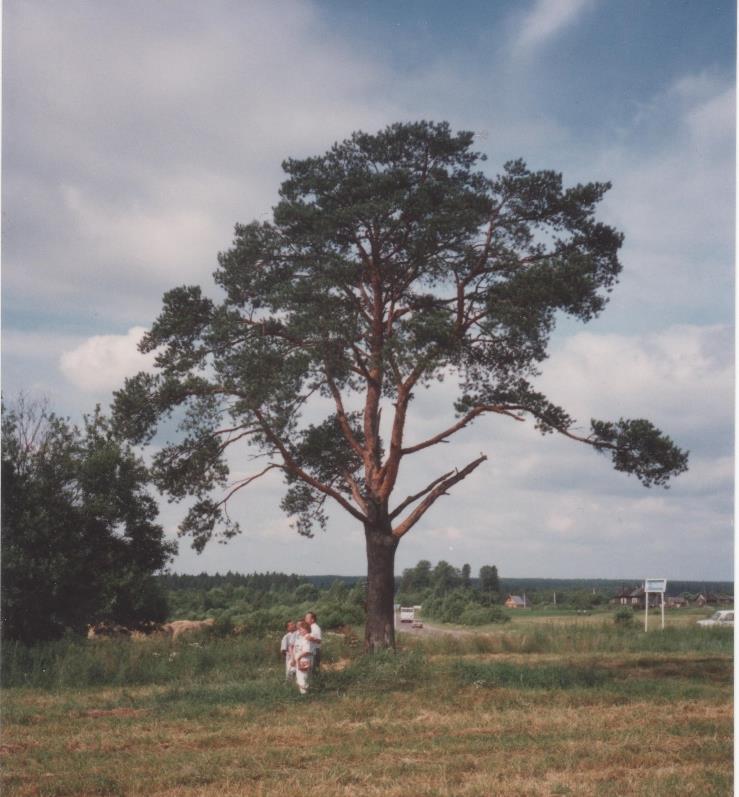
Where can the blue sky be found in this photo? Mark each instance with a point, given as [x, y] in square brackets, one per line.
[136, 134]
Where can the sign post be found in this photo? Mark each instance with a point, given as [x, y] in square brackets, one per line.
[654, 585]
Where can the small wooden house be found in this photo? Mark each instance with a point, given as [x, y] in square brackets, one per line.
[710, 599]
[634, 597]
[622, 597]
[675, 602]
[515, 602]
[702, 600]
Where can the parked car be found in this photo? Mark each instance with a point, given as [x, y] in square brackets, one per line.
[722, 617]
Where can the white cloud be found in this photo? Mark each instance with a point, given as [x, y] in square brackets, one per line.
[713, 119]
[35, 345]
[684, 375]
[446, 535]
[102, 362]
[30, 366]
[546, 19]
[562, 523]
[174, 240]
[137, 138]
[673, 197]
[711, 475]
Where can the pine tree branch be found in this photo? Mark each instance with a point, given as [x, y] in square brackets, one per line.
[292, 466]
[436, 493]
[346, 429]
[248, 481]
[353, 486]
[464, 421]
[412, 498]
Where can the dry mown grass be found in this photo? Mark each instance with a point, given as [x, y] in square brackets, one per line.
[658, 724]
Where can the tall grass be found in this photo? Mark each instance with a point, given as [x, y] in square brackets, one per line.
[82, 663]
[607, 638]
[75, 663]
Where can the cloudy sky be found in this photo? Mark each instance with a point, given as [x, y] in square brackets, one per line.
[137, 133]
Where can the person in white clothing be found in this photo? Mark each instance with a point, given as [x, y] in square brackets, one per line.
[286, 649]
[303, 657]
[315, 639]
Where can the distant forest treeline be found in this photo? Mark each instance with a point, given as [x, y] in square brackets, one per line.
[260, 603]
[518, 585]
[284, 582]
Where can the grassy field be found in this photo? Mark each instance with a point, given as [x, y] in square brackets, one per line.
[677, 618]
[531, 708]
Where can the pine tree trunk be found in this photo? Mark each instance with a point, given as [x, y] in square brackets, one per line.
[380, 628]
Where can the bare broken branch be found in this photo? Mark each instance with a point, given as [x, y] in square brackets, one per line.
[437, 492]
[411, 498]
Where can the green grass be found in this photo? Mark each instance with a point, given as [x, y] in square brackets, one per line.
[73, 663]
[575, 638]
[82, 663]
[552, 711]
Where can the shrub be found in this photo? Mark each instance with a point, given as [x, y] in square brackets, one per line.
[306, 592]
[460, 607]
[624, 616]
[335, 615]
[447, 608]
[224, 625]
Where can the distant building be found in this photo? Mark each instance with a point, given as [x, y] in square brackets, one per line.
[634, 597]
[726, 600]
[675, 602]
[623, 596]
[515, 602]
[709, 599]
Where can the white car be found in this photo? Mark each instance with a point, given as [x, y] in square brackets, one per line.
[719, 618]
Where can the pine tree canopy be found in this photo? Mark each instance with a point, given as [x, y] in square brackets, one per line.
[392, 261]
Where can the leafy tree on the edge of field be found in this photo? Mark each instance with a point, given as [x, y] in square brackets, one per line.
[79, 541]
[445, 578]
[416, 578]
[392, 262]
[489, 582]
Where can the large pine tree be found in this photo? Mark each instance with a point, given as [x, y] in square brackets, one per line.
[392, 261]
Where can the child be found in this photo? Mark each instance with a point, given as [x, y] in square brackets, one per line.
[286, 648]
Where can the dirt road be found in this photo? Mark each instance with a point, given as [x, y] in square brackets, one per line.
[429, 629]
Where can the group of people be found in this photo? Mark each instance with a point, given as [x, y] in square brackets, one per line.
[301, 649]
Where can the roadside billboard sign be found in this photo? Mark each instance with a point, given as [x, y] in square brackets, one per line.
[658, 585]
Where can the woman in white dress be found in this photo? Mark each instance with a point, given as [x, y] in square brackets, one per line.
[286, 648]
[303, 657]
